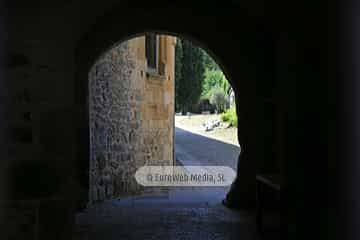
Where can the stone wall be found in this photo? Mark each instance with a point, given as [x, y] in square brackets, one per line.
[131, 119]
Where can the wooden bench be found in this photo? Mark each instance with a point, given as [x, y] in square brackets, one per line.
[271, 182]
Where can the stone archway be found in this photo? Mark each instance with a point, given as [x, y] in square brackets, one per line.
[52, 55]
[244, 75]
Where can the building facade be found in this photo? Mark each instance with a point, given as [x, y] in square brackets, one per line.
[131, 113]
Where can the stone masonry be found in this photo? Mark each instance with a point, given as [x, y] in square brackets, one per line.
[131, 116]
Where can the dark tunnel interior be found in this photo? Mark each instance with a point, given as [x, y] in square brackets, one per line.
[293, 68]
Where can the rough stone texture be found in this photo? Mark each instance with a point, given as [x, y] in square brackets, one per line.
[114, 128]
[127, 130]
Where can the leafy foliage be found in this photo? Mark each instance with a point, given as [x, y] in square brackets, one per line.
[178, 74]
[197, 76]
[219, 99]
[230, 116]
[188, 75]
[209, 62]
[203, 105]
[214, 79]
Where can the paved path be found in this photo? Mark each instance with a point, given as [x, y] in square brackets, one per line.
[156, 220]
[176, 213]
[195, 149]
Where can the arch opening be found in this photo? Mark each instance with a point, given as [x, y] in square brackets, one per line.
[132, 118]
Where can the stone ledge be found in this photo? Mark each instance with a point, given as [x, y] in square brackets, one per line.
[155, 78]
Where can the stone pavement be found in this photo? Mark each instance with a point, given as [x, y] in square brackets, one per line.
[173, 212]
[162, 217]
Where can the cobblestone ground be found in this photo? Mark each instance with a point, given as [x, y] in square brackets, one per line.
[159, 217]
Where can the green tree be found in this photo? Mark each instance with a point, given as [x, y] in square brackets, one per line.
[219, 99]
[214, 79]
[178, 75]
[209, 62]
[189, 75]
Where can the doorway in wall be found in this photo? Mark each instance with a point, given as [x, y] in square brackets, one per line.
[158, 100]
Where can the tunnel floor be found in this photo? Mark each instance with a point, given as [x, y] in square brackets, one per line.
[177, 213]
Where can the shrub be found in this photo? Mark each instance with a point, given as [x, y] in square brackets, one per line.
[230, 116]
[204, 105]
[219, 99]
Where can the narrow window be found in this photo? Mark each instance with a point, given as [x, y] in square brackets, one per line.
[151, 50]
